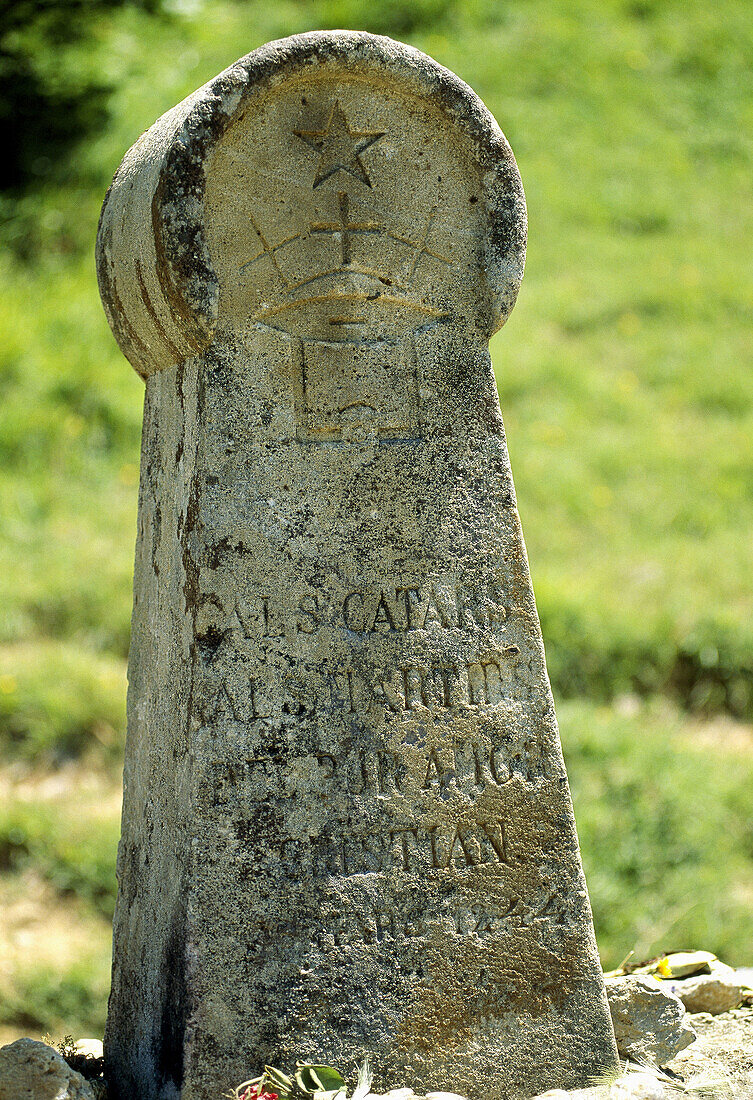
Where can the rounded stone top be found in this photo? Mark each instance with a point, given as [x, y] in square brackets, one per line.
[332, 186]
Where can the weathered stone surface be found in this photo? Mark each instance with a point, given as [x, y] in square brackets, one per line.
[718, 991]
[347, 825]
[650, 1023]
[34, 1071]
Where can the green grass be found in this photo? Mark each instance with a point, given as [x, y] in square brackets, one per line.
[58, 840]
[666, 835]
[58, 702]
[70, 1000]
[72, 849]
[625, 382]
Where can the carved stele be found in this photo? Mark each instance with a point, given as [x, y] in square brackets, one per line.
[347, 826]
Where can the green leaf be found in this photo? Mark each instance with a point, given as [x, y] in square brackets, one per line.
[279, 1081]
[311, 1079]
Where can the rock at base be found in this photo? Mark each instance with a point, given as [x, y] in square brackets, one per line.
[34, 1071]
[649, 1021]
[635, 1086]
[716, 992]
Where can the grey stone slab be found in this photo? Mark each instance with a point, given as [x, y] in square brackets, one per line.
[347, 826]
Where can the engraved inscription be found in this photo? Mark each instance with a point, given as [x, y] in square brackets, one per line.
[401, 608]
[403, 848]
[440, 687]
[479, 683]
[408, 606]
[372, 926]
[266, 617]
[468, 768]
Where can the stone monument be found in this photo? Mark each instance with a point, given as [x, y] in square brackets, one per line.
[347, 827]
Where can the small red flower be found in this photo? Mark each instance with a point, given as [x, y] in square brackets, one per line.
[255, 1092]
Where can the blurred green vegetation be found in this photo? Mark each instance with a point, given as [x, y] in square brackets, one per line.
[49, 100]
[663, 810]
[625, 383]
[73, 852]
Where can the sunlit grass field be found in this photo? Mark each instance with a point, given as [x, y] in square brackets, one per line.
[626, 382]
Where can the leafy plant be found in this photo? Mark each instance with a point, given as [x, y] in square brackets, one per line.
[309, 1080]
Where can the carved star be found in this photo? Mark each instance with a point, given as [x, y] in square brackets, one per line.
[339, 147]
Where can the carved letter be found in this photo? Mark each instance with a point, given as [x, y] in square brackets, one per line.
[495, 833]
[463, 842]
[383, 620]
[433, 762]
[353, 612]
[307, 619]
[327, 763]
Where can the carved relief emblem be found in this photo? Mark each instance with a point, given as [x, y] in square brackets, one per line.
[346, 293]
[339, 147]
